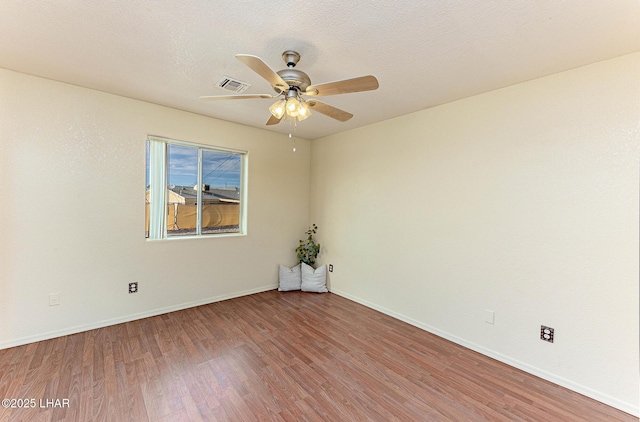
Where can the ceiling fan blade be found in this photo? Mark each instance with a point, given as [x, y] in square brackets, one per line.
[235, 97]
[327, 110]
[363, 83]
[257, 65]
[273, 120]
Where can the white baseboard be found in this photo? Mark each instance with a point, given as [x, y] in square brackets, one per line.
[630, 408]
[100, 324]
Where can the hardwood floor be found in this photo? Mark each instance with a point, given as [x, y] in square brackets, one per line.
[276, 357]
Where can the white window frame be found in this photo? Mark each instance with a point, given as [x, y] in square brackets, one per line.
[158, 188]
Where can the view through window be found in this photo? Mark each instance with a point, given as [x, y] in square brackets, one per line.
[203, 188]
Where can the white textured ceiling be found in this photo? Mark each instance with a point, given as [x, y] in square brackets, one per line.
[424, 53]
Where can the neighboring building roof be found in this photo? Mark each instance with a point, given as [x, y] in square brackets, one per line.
[189, 194]
[172, 197]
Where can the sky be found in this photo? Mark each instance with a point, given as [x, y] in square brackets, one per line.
[219, 169]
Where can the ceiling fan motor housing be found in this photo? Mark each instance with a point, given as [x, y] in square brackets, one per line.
[295, 78]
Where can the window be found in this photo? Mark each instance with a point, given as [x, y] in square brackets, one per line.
[193, 190]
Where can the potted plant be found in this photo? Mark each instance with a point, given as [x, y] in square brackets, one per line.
[308, 249]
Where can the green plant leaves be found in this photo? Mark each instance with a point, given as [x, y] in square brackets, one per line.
[308, 250]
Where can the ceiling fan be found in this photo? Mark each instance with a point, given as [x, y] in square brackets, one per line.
[292, 85]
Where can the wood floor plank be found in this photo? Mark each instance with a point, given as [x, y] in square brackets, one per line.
[277, 356]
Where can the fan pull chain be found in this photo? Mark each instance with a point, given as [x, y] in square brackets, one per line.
[293, 122]
[294, 142]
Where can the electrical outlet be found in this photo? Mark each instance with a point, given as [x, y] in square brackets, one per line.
[54, 299]
[133, 287]
[330, 268]
[546, 333]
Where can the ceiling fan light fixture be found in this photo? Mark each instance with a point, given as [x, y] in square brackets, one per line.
[292, 107]
[277, 109]
[303, 111]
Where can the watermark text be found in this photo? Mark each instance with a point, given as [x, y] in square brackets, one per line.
[31, 403]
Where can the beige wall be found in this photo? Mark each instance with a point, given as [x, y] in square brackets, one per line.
[70, 156]
[523, 201]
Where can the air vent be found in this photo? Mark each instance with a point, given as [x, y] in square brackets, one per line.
[233, 85]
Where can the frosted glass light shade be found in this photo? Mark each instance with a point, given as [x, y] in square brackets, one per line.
[303, 111]
[293, 107]
[277, 109]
